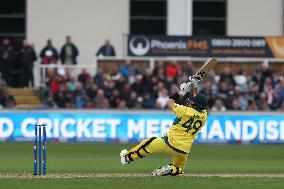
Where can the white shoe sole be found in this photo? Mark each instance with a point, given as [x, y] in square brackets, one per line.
[122, 157]
[162, 171]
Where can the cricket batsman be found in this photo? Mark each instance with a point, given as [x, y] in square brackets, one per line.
[189, 107]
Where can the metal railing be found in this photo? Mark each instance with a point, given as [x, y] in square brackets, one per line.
[40, 70]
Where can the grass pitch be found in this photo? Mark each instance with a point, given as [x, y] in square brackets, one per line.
[93, 165]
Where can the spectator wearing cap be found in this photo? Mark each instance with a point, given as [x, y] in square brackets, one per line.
[49, 54]
[240, 78]
[106, 50]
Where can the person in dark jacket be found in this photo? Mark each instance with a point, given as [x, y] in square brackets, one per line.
[106, 50]
[26, 57]
[69, 52]
[49, 54]
[7, 59]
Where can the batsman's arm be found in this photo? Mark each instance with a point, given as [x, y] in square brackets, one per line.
[175, 98]
[170, 104]
[177, 109]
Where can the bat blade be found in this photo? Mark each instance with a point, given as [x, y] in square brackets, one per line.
[205, 69]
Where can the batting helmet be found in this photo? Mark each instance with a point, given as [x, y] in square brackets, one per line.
[198, 101]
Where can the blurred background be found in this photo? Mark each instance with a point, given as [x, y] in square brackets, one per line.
[103, 70]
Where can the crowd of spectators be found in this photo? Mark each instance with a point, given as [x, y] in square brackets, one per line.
[17, 58]
[126, 88]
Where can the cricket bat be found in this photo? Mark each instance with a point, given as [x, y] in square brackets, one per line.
[205, 69]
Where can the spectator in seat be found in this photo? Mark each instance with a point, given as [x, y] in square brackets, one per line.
[240, 78]
[269, 91]
[114, 98]
[71, 84]
[173, 69]
[280, 87]
[106, 50]
[277, 100]
[138, 85]
[228, 78]
[69, 99]
[125, 92]
[82, 99]
[109, 88]
[265, 72]
[105, 104]
[92, 91]
[189, 68]
[159, 70]
[49, 54]
[263, 104]
[84, 76]
[128, 70]
[162, 99]
[55, 83]
[169, 82]
[122, 105]
[60, 97]
[235, 104]
[252, 106]
[218, 106]
[98, 100]
[69, 52]
[132, 102]
[147, 101]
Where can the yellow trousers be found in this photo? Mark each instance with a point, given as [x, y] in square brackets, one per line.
[157, 144]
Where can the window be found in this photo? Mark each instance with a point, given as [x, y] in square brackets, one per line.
[13, 18]
[209, 17]
[148, 17]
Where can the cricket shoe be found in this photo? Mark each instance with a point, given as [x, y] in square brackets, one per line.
[122, 157]
[162, 171]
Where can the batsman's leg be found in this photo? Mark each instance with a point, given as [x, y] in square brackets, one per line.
[175, 168]
[145, 147]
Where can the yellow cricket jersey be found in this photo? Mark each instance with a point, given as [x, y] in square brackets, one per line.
[186, 126]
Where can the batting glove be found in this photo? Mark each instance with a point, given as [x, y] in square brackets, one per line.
[184, 86]
[192, 82]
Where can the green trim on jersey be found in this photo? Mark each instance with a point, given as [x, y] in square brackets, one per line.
[172, 147]
[176, 120]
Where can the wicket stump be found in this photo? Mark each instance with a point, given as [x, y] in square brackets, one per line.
[40, 150]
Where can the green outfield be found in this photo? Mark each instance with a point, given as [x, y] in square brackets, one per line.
[93, 165]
